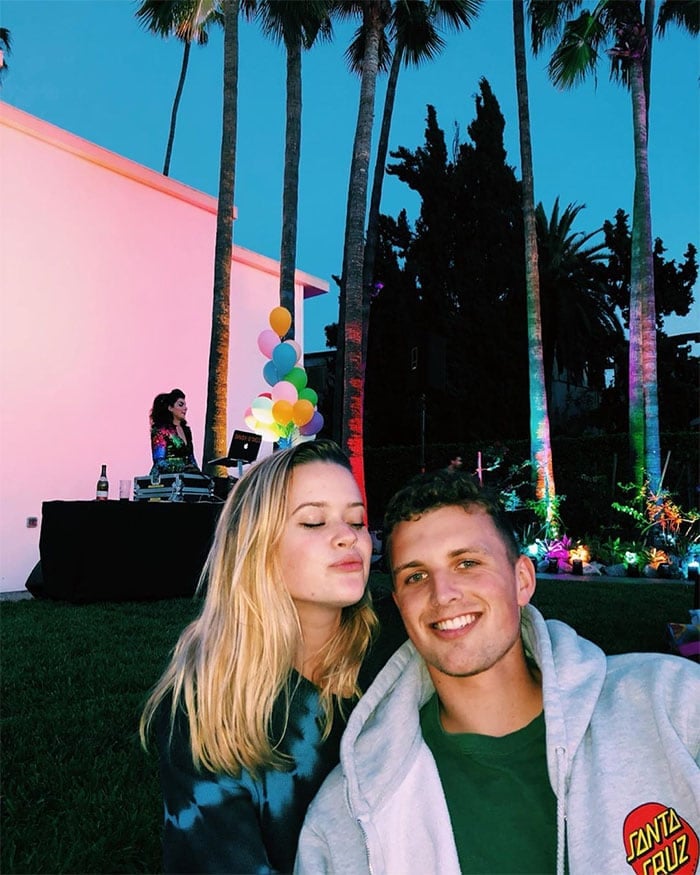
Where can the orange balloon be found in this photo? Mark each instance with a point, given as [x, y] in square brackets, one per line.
[280, 321]
[302, 411]
[282, 412]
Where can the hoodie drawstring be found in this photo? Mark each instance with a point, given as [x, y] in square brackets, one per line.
[561, 810]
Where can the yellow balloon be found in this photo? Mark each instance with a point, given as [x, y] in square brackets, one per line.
[280, 320]
[282, 412]
[302, 411]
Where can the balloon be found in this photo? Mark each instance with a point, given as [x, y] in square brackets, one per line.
[284, 357]
[280, 320]
[284, 391]
[295, 346]
[314, 426]
[251, 421]
[297, 377]
[262, 409]
[267, 341]
[308, 394]
[282, 412]
[302, 412]
[269, 432]
[270, 374]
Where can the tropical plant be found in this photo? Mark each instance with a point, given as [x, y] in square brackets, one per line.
[189, 21]
[540, 441]
[627, 29]
[354, 305]
[661, 522]
[297, 24]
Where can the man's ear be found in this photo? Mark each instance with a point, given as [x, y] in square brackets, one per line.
[526, 579]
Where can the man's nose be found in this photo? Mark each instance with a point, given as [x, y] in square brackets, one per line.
[444, 588]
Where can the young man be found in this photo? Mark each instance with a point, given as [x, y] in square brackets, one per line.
[495, 741]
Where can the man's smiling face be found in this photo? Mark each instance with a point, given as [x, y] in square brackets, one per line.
[458, 590]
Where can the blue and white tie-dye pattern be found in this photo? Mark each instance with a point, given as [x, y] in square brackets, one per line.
[217, 823]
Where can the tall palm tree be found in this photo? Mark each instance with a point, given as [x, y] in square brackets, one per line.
[540, 441]
[189, 21]
[415, 32]
[580, 328]
[351, 366]
[215, 435]
[627, 28]
[296, 23]
[5, 49]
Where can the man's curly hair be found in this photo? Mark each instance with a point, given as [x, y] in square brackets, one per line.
[441, 488]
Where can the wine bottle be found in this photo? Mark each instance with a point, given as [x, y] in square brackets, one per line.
[102, 492]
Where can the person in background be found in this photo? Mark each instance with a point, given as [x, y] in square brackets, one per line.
[171, 438]
[495, 741]
[248, 715]
[455, 465]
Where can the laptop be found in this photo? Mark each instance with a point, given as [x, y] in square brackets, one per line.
[244, 447]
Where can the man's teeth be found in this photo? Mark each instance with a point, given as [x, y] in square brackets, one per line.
[455, 622]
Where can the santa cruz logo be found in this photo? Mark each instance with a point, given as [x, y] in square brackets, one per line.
[659, 842]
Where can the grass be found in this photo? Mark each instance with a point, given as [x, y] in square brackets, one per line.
[79, 795]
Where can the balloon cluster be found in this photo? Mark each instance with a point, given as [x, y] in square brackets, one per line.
[287, 414]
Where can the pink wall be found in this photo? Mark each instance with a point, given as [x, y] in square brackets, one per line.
[106, 273]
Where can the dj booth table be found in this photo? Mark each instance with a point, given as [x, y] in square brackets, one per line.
[124, 550]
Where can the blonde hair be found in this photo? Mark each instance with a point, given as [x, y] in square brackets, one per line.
[234, 661]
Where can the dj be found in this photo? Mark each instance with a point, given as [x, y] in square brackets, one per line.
[171, 438]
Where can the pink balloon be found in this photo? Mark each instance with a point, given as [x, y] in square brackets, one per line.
[284, 391]
[267, 341]
[296, 347]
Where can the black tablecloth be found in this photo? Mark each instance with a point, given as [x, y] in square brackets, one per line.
[123, 550]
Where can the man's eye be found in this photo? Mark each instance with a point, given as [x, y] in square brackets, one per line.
[415, 578]
[467, 563]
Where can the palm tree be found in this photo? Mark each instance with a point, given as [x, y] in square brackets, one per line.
[628, 29]
[350, 371]
[215, 436]
[189, 21]
[414, 29]
[540, 442]
[580, 328]
[5, 49]
[297, 23]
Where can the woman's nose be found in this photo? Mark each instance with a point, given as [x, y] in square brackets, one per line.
[346, 534]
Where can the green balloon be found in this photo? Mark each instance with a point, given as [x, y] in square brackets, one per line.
[297, 377]
[308, 394]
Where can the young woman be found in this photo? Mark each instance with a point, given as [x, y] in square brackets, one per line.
[171, 438]
[249, 713]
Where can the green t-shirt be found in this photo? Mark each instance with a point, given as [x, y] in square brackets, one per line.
[501, 804]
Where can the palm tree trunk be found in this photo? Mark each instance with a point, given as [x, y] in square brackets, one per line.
[352, 294]
[643, 401]
[176, 106]
[215, 425]
[540, 443]
[379, 170]
[290, 195]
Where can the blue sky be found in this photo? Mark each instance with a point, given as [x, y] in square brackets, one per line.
[87, 66]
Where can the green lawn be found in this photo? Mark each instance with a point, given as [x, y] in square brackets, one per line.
[79, 795]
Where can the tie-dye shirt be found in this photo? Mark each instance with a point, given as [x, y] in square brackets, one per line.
[223, 824]
[172, 455]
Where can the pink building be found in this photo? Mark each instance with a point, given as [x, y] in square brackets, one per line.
[106, 275]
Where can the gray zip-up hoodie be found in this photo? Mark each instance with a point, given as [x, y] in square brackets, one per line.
[623, 754]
